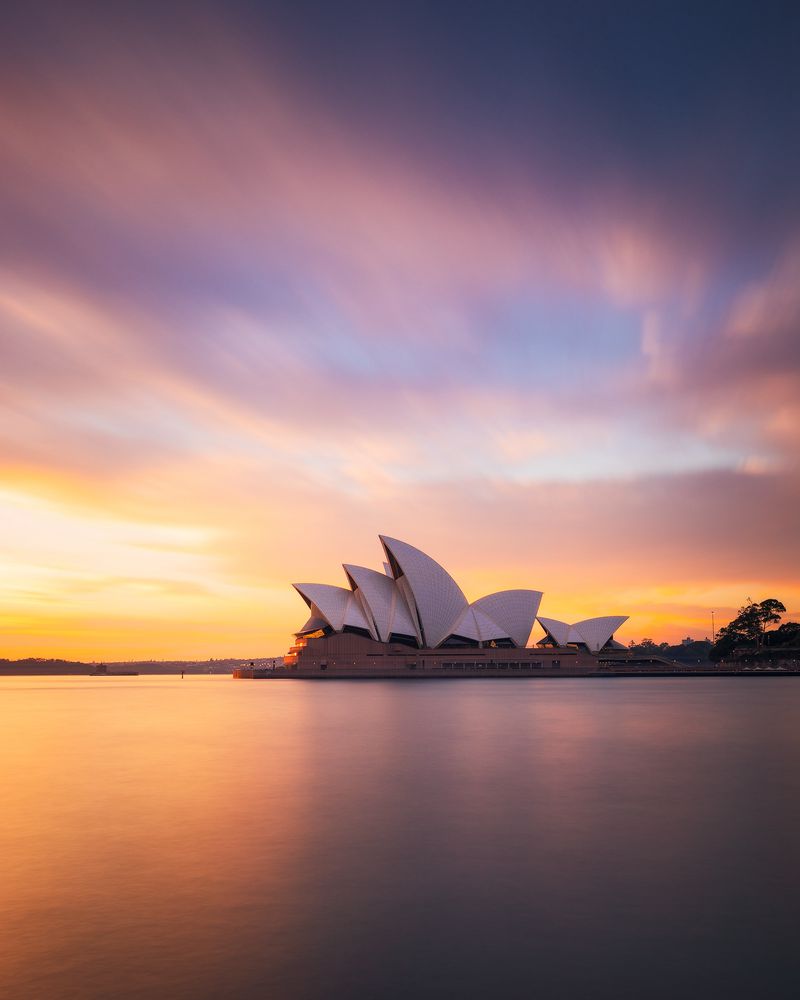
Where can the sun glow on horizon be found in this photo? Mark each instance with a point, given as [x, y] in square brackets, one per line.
[297, 312]
[80, 584]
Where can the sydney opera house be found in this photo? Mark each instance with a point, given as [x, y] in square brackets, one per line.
[413, 616]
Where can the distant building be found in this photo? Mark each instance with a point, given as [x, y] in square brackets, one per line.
[687, 641]
[415, 614]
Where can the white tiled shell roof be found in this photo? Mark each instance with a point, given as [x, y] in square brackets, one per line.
[354, 615]
[379, 593]
[314, 622]
[558, 631]
[594, 632]
[336, 604]
[474, 624]
[597, 631]
[514, 611]
[439, 600]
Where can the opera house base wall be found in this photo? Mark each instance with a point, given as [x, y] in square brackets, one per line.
[353, 656]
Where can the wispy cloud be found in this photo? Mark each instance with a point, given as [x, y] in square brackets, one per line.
[234, 300]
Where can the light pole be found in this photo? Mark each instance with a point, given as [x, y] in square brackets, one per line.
[713, 631]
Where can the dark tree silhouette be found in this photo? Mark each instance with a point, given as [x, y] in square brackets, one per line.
[748, 628]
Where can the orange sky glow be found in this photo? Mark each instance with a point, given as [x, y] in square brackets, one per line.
[247, 326]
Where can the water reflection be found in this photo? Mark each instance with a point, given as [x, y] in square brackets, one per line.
[211, 838]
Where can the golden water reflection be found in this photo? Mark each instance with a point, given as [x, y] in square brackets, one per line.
[210, 838]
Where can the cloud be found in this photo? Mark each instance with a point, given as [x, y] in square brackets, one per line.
[734, 379]
[232, 300]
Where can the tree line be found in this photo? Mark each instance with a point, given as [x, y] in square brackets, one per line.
[749, 632]
[748, 635]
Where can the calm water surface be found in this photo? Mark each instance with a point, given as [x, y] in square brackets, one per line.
[211, 838]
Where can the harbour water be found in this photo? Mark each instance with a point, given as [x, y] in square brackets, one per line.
[209, 838]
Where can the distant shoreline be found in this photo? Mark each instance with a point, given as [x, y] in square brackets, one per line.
[112, 672]
[35, 667]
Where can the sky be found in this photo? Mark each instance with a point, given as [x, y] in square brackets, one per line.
[516, 283]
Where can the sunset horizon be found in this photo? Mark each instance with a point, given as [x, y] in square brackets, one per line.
[399, 500]
[254, 313]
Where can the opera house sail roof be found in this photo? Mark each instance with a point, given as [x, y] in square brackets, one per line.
[592, 633]
[415, 601]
